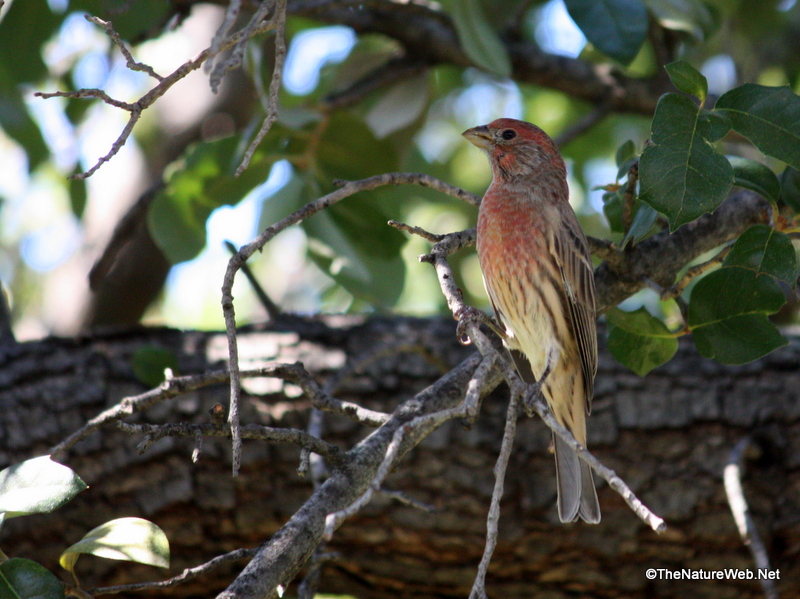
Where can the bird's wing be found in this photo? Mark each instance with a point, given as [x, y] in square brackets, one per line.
[575, 263]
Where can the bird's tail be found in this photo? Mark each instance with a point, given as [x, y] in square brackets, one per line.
[577, 497]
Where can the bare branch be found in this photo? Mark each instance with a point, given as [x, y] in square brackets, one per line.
[492, 521]
[187, 574]
[270, 307]
[234, 61]
[741, 514]
[275, 84]
[217, 42]
[238, 259]
[432, 237]
[154, 432]
[130, 62]
[614, 481]
[164, 83]
[176, 386]
[278, 561]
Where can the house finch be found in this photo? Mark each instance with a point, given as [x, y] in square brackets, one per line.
[538, 273]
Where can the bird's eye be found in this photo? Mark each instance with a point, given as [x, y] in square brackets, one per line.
[508, 134]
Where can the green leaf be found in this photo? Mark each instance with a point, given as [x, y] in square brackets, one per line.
[615, 27]
[24, 29]
[790, 187]
[639, 340]
[728, 315]
[18, 124]
[690, 16]
[400, 106]
[688, 79]
[625, 152]
[77, 195]
[738, 339]
[25, 579]
[625, 158]
[714, 125]
[612, 208]
[36, 486]
[480, 42]
[643, 220]
[767, 116]
[755, 176]
[681, 175]
[129, 539]
[339, 250]
[764, 250]
[202, 181]
[149, 363]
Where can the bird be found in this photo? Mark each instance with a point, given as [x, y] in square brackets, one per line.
[538, 274]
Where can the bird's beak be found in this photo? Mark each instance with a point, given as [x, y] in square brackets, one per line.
[479, 136]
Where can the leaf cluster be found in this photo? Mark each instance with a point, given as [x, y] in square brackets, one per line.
[40, 485]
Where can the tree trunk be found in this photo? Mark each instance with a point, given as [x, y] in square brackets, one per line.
[668, 435]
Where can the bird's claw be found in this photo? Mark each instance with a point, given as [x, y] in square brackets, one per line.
[533, 395]
[466, 316]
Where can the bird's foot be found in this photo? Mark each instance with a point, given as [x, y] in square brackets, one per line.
[466, 316]
[533, 396]
[469, 315]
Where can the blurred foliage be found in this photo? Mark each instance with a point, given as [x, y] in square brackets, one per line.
[703, 140]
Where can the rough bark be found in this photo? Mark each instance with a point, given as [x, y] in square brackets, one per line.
[668, 435]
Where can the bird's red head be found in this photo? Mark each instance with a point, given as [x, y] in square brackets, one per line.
[516, 148]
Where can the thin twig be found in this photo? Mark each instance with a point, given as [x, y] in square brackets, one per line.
[741, 514]
[130, 62]
[269, 306]
[406, 500]
[147, 100]
[275, 85]
[244, 253]
[218, 41]
[234, 60]
[432, 237]
[154, 432]
[187, 574]
[493, 519]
